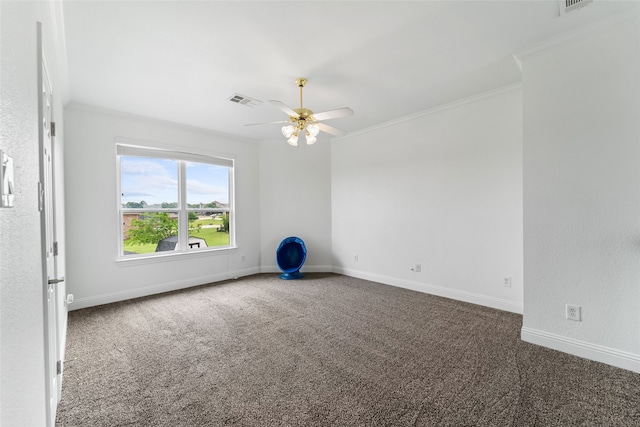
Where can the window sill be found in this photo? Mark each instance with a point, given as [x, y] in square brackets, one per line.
[133, 260]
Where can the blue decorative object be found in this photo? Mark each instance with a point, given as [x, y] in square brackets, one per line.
[290, 257]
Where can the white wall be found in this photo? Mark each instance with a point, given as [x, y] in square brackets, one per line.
[442, 189]
[295, 200]
[22, 353]
[93, 275]
[582, 193]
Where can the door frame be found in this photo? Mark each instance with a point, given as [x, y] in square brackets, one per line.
[52, 309]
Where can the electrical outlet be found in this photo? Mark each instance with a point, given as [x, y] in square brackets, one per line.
[242, 258]
[506, 282]
[574, 312]
[417, 268]
[355, 257]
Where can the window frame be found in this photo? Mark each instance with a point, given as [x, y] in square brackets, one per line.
[182, 157]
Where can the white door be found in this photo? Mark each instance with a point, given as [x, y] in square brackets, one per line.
[53, 285]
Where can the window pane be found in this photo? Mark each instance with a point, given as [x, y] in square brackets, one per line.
[147, 232]
[147, 182]
[164, 191]
[208, 203]
[208, 229]
[207, 185]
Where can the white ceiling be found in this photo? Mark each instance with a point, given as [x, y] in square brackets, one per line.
[181, 60]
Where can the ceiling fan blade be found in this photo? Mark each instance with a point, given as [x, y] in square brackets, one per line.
[284, 107]
[269, 123]
[330, 129]
[333, 114]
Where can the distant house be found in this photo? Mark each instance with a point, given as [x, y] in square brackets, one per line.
[126, 223]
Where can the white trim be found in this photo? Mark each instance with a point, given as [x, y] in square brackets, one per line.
[613, 22]
[46, 224]
[497, 303]
[109, 298]
[168, 256]
[77, 106]
[518, 62]
[439, 108]
[598, 353]
[129, 147]
[305, 269]
[126, 146]
[155, 151]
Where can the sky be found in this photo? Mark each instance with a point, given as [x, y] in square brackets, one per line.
[156, 181]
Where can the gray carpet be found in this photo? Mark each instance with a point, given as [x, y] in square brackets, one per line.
[328, 350]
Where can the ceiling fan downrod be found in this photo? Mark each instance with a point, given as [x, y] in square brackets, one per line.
[303, 113]
[301, 82]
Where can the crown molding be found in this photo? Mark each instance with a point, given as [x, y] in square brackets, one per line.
[613, 22]
[443, 107]
[78, 106]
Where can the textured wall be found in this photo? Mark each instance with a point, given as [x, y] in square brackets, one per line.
[295, 200]
[443, 190]
[582, 188]
[22, 385]
[93, 274]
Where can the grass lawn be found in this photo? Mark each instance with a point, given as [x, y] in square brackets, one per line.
[139, 249]
[207, 222]
[211, 235]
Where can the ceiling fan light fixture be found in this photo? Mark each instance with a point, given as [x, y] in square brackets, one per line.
[287, 131]
[293, 140]
[305, 120]
[313, 129]
[311, 139]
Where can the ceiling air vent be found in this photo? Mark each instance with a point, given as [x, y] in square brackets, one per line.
[244, 100]
[570, 5]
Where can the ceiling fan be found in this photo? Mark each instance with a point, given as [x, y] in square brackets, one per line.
[306, 121]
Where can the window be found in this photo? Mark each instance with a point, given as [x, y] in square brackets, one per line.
[173, 202]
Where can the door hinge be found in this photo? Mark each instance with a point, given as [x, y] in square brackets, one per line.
[40, 197]
[55, 248]
[59, 367]
[53, 128]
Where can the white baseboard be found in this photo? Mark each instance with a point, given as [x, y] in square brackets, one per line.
[182, 284]
[598, 353]
[500, 304]
[305, 269]
[79, 303]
